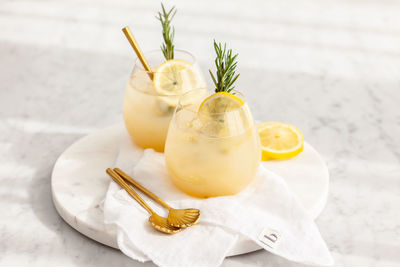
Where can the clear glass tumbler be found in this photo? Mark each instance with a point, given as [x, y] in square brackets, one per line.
[211, 154]
[148, 111]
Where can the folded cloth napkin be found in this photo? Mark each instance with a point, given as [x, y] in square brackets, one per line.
[266, 212]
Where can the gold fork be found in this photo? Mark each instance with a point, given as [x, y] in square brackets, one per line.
[176, 217]
[158, 222]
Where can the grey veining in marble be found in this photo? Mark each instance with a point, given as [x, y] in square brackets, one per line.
[330, 67]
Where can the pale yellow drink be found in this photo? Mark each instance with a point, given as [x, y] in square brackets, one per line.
[206, 157]
[148, 109]
[146, 115]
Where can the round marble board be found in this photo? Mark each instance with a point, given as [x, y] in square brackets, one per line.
[79, 184]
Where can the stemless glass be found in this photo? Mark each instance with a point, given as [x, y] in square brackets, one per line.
[147, 113]
[209, 155]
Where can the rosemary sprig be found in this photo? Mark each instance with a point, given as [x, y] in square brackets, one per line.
[168, 34]
[226, 64]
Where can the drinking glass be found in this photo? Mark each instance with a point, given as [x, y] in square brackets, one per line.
[212, 154]
[146, 112]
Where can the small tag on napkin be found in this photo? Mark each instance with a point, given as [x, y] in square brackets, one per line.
[270, 237]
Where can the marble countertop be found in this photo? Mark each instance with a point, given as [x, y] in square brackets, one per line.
[330, 67]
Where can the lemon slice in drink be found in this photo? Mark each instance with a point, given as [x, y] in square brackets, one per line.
[175, 76]
[171, 79]
[216, 116]
[219, 103]
[279, 140]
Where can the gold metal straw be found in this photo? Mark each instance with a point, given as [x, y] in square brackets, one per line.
[138, 52]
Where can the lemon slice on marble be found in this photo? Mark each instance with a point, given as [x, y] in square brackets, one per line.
[279, 140]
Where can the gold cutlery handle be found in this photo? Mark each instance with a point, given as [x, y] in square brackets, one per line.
[133, 182]
[129, 190]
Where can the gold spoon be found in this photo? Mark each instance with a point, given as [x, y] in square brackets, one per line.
[158, 222]
[177, 217]
[135, 46]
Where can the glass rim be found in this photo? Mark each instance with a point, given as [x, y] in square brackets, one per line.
[138, 63]
[155, 94]
[207, 89]
[180, 106]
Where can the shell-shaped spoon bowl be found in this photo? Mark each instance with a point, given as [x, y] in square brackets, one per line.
[161, 224]
[183, 217]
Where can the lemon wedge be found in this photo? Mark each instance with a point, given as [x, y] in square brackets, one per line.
[175, 76]
[279, 140]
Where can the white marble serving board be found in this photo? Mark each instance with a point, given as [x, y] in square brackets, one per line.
[79, 184]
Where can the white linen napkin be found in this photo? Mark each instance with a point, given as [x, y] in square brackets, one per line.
[266, 212]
